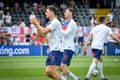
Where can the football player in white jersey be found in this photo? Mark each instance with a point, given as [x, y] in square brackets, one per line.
[52, 31]
[98, 36]
[68, 31]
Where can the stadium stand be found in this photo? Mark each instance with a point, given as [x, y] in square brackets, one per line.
[21, 11]
[102, 12]
[81, 15]
[116, 15]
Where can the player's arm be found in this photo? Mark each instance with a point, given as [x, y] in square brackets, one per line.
[41, 30]
[114, 38]
[87, 42]
[111, 34]
[40, 33]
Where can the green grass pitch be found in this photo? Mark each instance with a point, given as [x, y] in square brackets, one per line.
[32, 68]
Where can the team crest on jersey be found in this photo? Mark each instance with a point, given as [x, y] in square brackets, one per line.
[65, 25]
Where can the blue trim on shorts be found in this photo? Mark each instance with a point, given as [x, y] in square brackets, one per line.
[67, 56]
[54, 58]
[97, 53]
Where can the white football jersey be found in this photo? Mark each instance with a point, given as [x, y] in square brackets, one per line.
[68, 31]
[54, 36]
[100, 33]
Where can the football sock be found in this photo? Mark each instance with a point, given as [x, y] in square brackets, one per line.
[91, 69]
[62, 78]
[100, 68]
[73, 76]
[65, 77]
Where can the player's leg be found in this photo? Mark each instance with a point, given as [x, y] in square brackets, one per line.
[100, 68]
[58, 63]
[91, 68]
[64, 70]
[48, 71]
[59, 69]
[51, 68]
[97, 55]
[51, 71]
[49, 65]
[59, 60]
[66, 59]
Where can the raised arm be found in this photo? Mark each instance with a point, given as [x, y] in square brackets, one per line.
[41, 30]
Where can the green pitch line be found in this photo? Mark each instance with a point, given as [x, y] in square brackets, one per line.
[32, 68]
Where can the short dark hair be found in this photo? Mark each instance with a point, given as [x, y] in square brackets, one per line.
[52, 8]
[71, 10]
[102, 19]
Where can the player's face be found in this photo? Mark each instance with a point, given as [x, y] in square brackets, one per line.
[67, 13]
[48, 13]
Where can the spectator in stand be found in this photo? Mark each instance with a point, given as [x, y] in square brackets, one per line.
[17, 41]
[80, 34]
[35, 5]
[12, 4]
[1, 40]
[40, 41]
[21, 24]
[28, 39]
[61, 19]
[98, 5]
[32, 25]
[8, 19]
[25, 5]
[1, 4]
[32, 15]
[72, 4]
[15, 25]
[34, 29]
[12, 39]
[63, 6]
[85, 3]
[110, 16]
[110, 40]
[17, 6]
[34, 39]
[6, 10]
[2, 17]
[40, 6]
[8, 39]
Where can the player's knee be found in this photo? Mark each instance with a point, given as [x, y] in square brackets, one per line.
[64, 70]
[101, 59]
[62, 67]
[95, 60]
[59, 68]
[48, 73]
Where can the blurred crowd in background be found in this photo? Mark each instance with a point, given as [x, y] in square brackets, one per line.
[16, 14]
